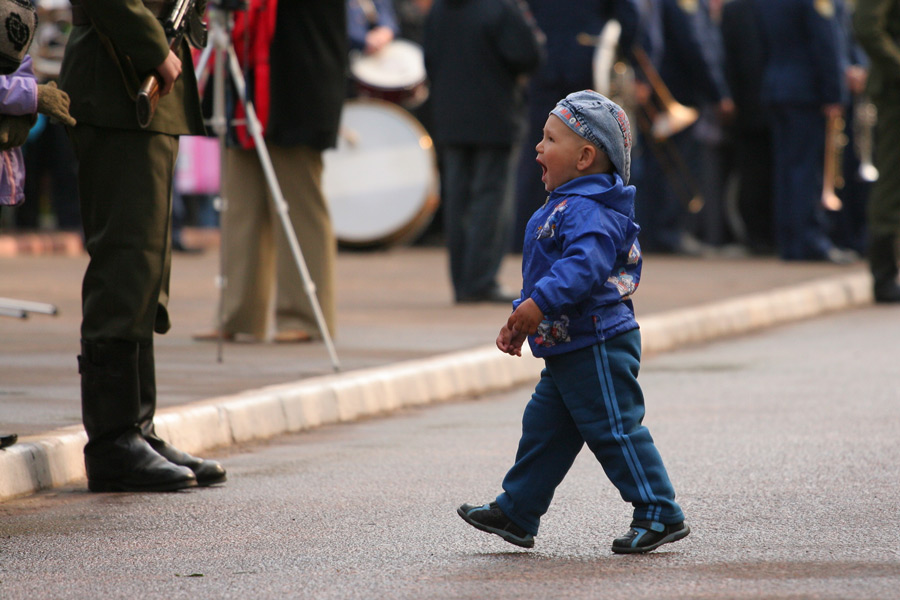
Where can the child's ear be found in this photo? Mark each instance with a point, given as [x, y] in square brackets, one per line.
[586, 157]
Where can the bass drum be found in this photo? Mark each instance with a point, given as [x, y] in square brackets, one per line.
[395, 73]
[381, 181]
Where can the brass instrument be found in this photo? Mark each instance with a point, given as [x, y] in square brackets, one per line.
[865, 116]
[667, 119]
[659, 118]
[835, 142]
[672, 117]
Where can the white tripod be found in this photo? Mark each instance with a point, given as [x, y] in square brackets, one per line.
[220, 25]
[20, 308]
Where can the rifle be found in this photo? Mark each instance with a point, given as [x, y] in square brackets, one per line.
[182, 20]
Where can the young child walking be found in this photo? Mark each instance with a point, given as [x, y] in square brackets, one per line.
[581, 263]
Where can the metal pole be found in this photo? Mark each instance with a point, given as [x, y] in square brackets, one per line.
[221, 42]
[255, 129]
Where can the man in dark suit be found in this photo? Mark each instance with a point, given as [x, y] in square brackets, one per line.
[679, 39]
[803, 87]
[475, 53]
[125, 186]
[744, 66]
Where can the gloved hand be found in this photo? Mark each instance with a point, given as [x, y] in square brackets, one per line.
[54, 103]
[14, 130]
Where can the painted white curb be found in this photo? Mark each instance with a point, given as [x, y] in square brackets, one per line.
[679, 328]
[56, 458]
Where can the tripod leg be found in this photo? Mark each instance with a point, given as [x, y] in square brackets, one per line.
[281, 207]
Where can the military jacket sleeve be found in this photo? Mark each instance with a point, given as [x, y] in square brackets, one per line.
[102, 83]
[877, 27]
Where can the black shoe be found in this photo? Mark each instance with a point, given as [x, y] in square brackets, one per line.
[178, 246]
[208, 472]
[645, 536]
[491, 519]
[838, 256]
[8, 440]
[887, 294]
[129, 464]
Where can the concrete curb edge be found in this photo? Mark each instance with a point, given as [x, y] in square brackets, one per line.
[55, 458]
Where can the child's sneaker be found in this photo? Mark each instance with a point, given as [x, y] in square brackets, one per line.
[645, 536]
[491, 519]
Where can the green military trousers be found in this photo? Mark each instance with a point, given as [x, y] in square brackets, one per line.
[125, 182]
[884, 201]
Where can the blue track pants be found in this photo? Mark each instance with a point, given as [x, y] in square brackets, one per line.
[589, 396]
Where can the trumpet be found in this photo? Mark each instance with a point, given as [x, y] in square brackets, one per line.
[865, 116]
[835, 142]
[658, 118]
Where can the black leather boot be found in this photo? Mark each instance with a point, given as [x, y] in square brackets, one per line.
[883, 264]
[207, 472]
[117, 458]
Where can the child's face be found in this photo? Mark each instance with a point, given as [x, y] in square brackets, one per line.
[558, 153]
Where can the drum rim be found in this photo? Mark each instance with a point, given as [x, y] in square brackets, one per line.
[357, 56]
[414, 227]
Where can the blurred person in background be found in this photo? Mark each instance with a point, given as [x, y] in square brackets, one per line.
[411, 16]
[711, 224]
[476, 52]
[49, 159]
[847, 226]
[749, 130]
[803, 89]
[21, 99]
[877, 26]
[296, 58]
[668, 173]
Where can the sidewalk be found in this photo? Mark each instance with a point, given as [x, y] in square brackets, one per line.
[401, 341]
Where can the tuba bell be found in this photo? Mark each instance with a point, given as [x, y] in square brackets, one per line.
[659, 117]
[615, 80]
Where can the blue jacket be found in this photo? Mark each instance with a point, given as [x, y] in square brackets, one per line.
[581, 262]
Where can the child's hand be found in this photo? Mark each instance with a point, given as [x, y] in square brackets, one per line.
[525, 319]
[510, 342]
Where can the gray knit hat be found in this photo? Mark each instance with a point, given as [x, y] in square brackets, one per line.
[18, 20]
[602, 122]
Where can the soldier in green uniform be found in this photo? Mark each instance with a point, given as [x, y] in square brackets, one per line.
[125, 186]
[877, 25]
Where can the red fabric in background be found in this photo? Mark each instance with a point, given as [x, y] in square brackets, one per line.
[252, 38]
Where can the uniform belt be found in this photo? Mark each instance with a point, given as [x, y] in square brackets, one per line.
[157, 7]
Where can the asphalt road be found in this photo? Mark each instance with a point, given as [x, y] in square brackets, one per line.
[782, 447]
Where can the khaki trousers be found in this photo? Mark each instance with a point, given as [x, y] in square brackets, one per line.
[263, 287]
